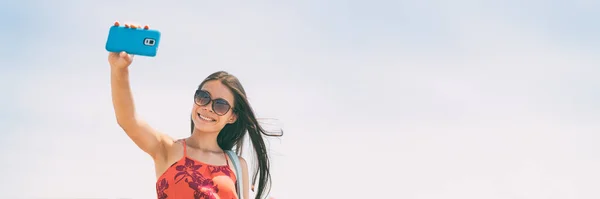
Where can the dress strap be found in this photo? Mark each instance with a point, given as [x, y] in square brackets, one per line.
[184, 148]
[226, 158]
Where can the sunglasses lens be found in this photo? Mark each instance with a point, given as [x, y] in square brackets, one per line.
[202, 98]
[220, 106]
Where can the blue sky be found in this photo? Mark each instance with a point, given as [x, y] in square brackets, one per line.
[416, 99]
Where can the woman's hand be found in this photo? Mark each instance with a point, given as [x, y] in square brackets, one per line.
[122, 60]
[119, 60]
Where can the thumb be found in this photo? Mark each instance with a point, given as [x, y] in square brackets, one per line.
[126, 56]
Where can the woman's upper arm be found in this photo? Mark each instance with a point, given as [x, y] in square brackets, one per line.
[245, 180]
[148, 139]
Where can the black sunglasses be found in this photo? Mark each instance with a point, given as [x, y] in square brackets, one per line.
[219, 105]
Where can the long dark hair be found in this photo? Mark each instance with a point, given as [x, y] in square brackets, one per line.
[232, 134]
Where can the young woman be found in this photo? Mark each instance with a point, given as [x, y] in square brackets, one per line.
[196, 166]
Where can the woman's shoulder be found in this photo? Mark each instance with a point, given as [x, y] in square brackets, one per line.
[171, 142]
[172, 145]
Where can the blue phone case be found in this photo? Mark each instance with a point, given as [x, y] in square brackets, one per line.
[136, 41]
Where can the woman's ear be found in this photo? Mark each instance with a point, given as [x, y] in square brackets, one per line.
[232, 118]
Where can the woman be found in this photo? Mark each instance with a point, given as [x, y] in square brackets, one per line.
[196, 166]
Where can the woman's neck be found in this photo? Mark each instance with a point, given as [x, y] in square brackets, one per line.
[204, 141]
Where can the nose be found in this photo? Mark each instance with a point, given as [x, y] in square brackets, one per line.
[208, 106]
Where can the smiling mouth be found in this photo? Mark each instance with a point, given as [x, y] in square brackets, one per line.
[205, 118]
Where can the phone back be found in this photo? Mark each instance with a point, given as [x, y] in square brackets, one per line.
[136, 41]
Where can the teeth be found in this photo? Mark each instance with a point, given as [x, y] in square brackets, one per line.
[205, 118]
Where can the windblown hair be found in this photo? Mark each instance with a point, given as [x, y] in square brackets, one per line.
[232, 134]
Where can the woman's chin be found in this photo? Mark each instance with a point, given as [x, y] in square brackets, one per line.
[203, 127]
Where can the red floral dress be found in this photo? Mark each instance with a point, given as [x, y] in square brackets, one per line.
[189, 178]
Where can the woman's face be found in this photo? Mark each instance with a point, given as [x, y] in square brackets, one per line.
[213, 107]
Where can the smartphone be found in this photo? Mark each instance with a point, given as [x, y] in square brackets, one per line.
[135, 41]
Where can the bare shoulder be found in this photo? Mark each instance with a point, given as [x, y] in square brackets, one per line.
[173, 146]
[167, 155]
[166, 143]
[167, 140]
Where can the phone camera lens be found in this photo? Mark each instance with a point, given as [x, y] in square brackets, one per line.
[149, 42]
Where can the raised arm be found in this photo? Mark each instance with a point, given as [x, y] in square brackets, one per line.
[144, 136]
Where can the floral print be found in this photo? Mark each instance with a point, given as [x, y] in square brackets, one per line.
[214, 169]
[187, 171]
[204, 189]
[161, 186]
[188, 176]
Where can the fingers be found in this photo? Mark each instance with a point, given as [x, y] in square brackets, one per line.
[126, 56]
[121, 54]
[133, 26]
[129, 58]
[113, 55]
[128, 25]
